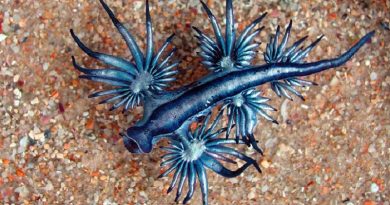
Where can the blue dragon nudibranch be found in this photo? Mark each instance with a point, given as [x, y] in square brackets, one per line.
[230, 89]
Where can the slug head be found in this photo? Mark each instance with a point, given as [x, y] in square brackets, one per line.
[138, 140]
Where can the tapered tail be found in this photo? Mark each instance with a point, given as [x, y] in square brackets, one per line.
[310, 68]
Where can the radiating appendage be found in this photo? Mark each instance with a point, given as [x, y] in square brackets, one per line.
[191, 152]
[278, 52]
[136, 81]
[227, 53]
[242, 111]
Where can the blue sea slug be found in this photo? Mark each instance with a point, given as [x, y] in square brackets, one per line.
[229, 90]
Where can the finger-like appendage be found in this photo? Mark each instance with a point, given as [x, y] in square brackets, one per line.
[149, 37]
[218, 168]
[230, 31]
[114, 98]
[108, 92]
[284, 42]
[175, 177]
[191, 182]
[304, 53]
[215, 142]
[107, 80]
[105, 73]
[107, 59]
[170, 169]
[201, 172]
[134, 49]
[161, 50]
[217, 29]
[183, 177]
[248, 29]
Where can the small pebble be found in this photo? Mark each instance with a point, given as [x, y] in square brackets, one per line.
[49, 186]
[15, 48]
[45, 66]
[374, 188]
[252, 194]
[39, 137]
[265, 164]
[373, 76]
[109, 202]
[233, 180]
[23, 144]
[23, 191]
[17, 93]
[34, 101]
[60, 156]
[2, 37]
[371, 148]
[304, 106]
[264, 188]
[16, 78]
[284, 110]
[334, 81]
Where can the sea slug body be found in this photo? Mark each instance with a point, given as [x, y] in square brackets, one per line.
[229, 90]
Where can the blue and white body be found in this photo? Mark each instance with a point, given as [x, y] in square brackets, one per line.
[230, 90]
